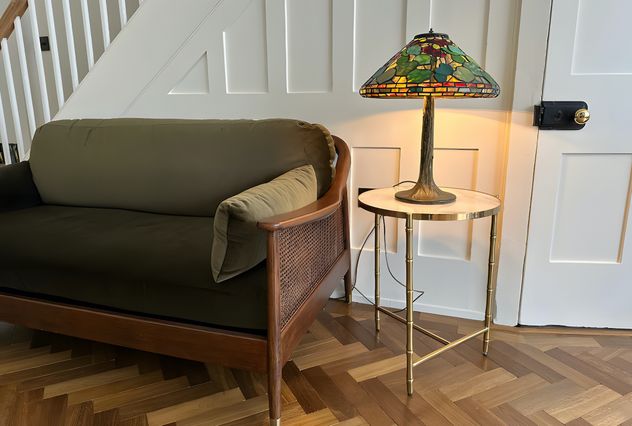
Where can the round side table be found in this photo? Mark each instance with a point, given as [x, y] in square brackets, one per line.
[469, 205]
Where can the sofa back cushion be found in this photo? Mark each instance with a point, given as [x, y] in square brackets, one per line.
[169, 166]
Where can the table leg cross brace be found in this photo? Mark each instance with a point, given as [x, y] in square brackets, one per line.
[448, 344]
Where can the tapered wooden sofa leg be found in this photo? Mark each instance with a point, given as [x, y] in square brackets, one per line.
[275, 371]
[274, 397]
[348, 286]
[274, 330]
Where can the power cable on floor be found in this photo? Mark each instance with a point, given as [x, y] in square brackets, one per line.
[388, 266]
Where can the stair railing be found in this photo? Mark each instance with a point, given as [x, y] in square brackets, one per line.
[29, 76]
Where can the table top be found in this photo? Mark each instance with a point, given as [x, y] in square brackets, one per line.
[468, 205]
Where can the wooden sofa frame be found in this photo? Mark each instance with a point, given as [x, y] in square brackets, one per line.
[319, 231]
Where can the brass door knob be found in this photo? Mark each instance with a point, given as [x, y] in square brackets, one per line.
[582, 116]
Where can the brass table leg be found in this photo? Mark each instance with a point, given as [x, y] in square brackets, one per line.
[490, 284]
[376, 260]
[409, 304]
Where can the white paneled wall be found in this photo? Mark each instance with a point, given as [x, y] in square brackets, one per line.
[309, 59]
[306, 59]
[244, 49]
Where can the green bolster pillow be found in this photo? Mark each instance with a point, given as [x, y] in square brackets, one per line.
[238, 244]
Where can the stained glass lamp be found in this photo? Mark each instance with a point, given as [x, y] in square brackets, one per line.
[430, 66]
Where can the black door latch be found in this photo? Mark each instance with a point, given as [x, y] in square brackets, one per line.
[561, 115]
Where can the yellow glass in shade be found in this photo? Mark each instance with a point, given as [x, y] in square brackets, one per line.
[430, 65]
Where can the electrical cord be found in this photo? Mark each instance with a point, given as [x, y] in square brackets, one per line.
[404, 181]
[388, 266]
[355, 272]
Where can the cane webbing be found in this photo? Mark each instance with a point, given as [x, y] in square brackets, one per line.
[307, 252]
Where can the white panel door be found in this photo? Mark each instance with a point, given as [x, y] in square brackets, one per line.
[578, 270]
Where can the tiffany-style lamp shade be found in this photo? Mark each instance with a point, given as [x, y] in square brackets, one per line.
[430, 66]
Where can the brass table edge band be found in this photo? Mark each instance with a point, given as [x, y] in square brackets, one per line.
[415, 326]
[449, 346]
[430, 216]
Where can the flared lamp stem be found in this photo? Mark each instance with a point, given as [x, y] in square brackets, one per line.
[425, 190]
[427, 144]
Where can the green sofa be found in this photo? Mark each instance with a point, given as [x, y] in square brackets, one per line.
[112, 222]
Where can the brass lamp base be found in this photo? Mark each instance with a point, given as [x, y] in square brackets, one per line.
[426, 190]
[422, 194]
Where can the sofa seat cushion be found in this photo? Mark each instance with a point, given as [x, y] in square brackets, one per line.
[141, 262]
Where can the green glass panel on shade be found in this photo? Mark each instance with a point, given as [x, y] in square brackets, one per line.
[430, 65]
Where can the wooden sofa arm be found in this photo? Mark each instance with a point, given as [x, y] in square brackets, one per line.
[308, 252]
[312, 212]
[304, 245]
[305, 254]
[305, 262]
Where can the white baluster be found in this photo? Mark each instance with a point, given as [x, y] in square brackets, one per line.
[87, 32]
[123, 12]
[70, 40]
[26, 82]
[105, 23]
[13, 100]
[38, 60]
[54, 50]
[4, 136]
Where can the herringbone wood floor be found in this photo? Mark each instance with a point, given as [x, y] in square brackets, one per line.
[341, 374]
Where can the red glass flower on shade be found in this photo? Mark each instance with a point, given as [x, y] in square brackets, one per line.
[430, 65]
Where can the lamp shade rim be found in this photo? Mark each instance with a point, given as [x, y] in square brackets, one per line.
[433, 34]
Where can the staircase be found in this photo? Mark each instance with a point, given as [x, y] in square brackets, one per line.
[47, 47]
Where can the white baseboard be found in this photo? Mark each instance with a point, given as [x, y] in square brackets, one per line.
[425, 307]
[418, 306]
